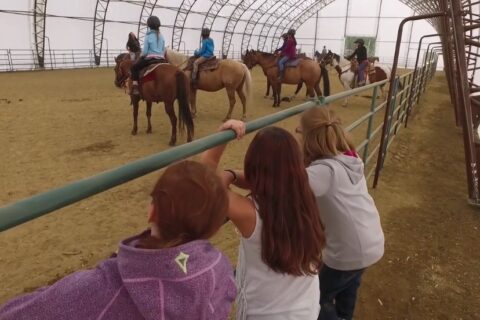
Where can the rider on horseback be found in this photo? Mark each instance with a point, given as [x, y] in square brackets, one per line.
[153, 50]
[288, 52]
[204, 53]
[133, 46]
[361, 53]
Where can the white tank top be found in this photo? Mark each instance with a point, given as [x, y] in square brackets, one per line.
[267, 295]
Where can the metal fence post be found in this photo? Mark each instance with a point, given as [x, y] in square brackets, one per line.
[388, 124]
[9, 58]
[373, 105]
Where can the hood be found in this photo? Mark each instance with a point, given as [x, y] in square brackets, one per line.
[352, 165]
[148, 274]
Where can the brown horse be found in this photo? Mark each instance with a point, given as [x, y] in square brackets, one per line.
[167, 84]
[307, 71]
[230, 74]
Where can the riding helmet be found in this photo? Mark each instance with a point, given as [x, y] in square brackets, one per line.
[291, 32]
[153, 22]
[284, 36]
[360, 41]
[205, 32]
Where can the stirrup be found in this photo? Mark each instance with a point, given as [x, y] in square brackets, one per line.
[135, 90]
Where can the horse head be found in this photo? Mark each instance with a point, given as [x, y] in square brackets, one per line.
[250, 58]
[122, 69]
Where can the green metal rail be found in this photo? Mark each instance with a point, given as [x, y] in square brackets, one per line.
[46, 202]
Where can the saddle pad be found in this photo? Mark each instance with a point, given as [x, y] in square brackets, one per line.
[210, 64]
[293, 63]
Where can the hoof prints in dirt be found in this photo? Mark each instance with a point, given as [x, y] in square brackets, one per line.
[76, 100]
[98, 148]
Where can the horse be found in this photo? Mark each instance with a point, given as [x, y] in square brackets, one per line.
[347, 71]
[165, 83]
[232, 75]
[306, 71]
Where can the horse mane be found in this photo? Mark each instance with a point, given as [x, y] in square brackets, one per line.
[121, 56]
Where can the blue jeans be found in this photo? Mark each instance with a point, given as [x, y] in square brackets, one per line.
[361, 70]
[338, 293]
[281, 64]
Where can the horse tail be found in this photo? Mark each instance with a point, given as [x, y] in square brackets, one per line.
[299, 87]
[326, 81]
[247, 83]
[184, 113]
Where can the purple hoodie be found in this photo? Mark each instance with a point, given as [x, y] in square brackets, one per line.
[138, 284]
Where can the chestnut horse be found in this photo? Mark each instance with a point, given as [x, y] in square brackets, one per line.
[167, 85]
[230, 74]
[307, 71]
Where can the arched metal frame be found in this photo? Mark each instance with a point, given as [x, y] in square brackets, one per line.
[98, 28]
[178, 26]
[300, 19]
[268, 25]
[147, 11]
[240, 9]
[258, 14]
[39, 12]
[212, 13]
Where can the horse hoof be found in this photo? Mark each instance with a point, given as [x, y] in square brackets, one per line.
[266, 97]
[226, 119]
[344, 105]
[172, 143]
[149, 130]
[134, 132]
[244, 118]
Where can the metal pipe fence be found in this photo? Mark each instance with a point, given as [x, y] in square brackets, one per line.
[46, 202]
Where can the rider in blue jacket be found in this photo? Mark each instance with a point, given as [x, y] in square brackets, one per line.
[153, 50]
[204, 53]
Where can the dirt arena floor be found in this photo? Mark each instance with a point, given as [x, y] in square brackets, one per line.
[60, 126]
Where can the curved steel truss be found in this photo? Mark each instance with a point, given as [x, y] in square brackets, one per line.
[297, 17]
[267, 26]
[237, 13]
[212, 13]
[258, 15]
[98, 27]
[179, 24]
[147, 10]
[39, 13]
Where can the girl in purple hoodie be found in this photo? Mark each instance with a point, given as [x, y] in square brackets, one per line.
[168, 272]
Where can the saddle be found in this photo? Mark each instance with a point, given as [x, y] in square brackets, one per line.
[146, 74]
[293, 63]
[211, 64]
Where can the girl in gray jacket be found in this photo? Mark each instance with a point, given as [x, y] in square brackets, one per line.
[354, 237]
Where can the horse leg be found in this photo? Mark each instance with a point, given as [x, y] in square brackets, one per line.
[135, 102]
[149, 115]
[193, 102]
[243, 99]
[231, 99]
[279, 93]
[268, 90]
[173, 121]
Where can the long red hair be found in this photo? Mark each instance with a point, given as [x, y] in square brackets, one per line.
[292, 234]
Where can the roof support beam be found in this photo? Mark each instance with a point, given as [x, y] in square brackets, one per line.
[147, 11]
[39, 13]
[98, 28]
[179, 24]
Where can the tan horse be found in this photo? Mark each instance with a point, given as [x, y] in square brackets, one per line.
[168, 84]
[232, 75]
[307, 71]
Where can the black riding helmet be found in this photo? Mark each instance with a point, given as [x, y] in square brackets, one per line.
[153, 22]
[291, 32]
[360, 41]
[205, 32]
[284, 36]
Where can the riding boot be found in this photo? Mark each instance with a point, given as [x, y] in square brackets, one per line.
[281, 75]
[135, 90]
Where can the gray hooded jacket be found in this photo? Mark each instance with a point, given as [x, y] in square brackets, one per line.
[354, 237]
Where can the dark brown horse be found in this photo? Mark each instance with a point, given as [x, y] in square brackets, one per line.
[307, 71]
[167, 84]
